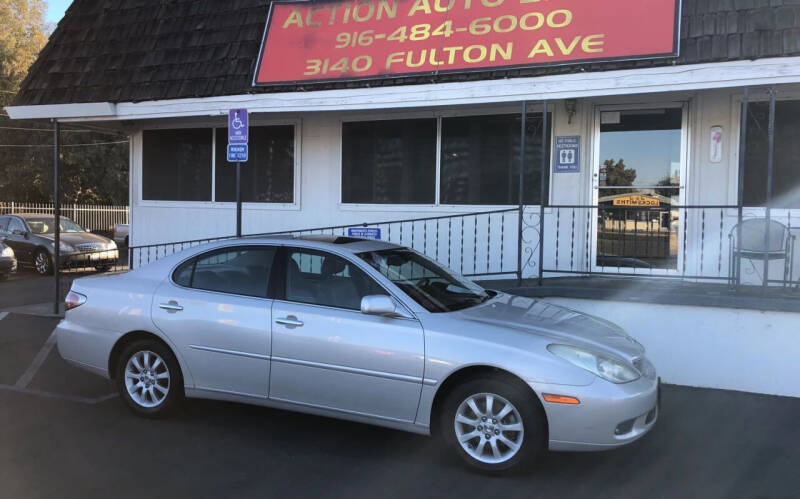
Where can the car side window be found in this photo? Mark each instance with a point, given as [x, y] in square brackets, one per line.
[240, 271]
[321, 278]
[3, 225]
[15, 224]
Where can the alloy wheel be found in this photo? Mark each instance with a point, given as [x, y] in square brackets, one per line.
[147, 379]
[42, 263]
[489, 428]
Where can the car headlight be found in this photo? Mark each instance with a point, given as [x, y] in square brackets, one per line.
[7, 252]
[607, 367]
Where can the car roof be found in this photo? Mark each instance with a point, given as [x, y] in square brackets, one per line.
[352, 244]
[36, 215]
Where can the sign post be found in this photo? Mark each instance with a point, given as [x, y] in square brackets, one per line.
[237, 153]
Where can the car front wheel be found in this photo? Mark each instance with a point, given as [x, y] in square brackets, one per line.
[149, 379]
[493, 424]
[43, 263]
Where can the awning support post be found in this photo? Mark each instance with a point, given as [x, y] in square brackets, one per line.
[543, 193]
[770, 163]
[737, 263]
[521, 194]
[57, 216]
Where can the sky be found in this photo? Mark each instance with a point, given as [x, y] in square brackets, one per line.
[55, 10]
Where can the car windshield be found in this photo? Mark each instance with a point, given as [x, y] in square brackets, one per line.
[47, 225]
[427, 282]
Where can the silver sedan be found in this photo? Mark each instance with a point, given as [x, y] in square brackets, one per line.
[366, 331]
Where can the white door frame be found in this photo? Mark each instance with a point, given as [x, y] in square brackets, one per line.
[684, 172]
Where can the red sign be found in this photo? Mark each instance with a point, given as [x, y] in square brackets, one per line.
[357, 39]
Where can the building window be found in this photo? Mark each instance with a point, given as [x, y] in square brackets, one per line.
[480, 160]
[786, 162]
[389, 162]
[395, 161]
[268, 174]
[176, 165]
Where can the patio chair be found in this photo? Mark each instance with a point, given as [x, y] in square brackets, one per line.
[777, 245]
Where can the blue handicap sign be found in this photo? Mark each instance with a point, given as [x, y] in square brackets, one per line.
[237, 153]
[237, 126]
[364, 232]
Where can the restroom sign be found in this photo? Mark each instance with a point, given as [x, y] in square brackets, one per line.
[568, 154]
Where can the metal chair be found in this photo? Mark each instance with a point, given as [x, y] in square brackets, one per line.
[761, 238]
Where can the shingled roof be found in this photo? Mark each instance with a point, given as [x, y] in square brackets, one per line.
[139, 50]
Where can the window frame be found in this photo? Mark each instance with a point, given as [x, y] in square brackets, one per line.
[735, 147]
[278, 277]
[137, 164]
[436, 206]
[223, 249]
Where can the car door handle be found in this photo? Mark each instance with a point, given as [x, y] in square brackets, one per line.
[172, 306]
[290, 321]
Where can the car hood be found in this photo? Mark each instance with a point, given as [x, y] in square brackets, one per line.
[563, 325]
[74, 238]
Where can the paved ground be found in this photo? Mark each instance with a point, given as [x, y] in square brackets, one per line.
[63, 433]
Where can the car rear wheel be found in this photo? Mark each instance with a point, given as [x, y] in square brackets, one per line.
[493, 425]
[42, 263]
[149, 379]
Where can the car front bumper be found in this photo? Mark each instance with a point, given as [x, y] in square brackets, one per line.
[609, 415]
[8, 265]
[109, 257]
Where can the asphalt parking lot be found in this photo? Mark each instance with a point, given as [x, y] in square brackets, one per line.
[65, 433]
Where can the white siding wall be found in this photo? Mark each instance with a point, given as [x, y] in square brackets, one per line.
[744, 350]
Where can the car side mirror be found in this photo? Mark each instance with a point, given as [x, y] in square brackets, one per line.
[19, 232]
[379, 305]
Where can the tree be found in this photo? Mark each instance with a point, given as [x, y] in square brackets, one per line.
[94, 164]
[22, 37]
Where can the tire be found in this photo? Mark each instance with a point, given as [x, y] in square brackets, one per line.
[42, 262]
[149, 394]
[3, 277]
[478, 452]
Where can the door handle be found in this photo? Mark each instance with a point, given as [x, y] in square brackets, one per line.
[172, 306]
[290, 321]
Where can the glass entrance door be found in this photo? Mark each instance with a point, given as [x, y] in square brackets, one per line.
[639, 157]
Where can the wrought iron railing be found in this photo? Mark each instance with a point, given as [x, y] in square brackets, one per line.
[685, 242]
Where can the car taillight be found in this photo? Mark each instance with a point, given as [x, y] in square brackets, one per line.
[73, 300]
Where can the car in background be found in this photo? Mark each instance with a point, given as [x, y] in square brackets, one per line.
[8, 262]
[121, 232]
[31, 236]
[367, 331]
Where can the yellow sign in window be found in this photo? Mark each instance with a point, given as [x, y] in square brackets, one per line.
[636, 200]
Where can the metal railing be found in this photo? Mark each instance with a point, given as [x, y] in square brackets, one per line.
[89, 216]
[478, 244]
[693, 243]
[688, 242]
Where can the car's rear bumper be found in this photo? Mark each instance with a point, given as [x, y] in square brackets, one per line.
[84, 347]
[609, 415]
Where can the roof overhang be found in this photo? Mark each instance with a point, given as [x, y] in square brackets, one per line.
[56, 111]
[565, 86]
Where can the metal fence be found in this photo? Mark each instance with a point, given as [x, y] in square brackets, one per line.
[89, 216]
[689, 242]
[480, 244]
[696, 243]
[699, 243]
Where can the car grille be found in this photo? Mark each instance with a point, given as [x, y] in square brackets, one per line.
[89, 247]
